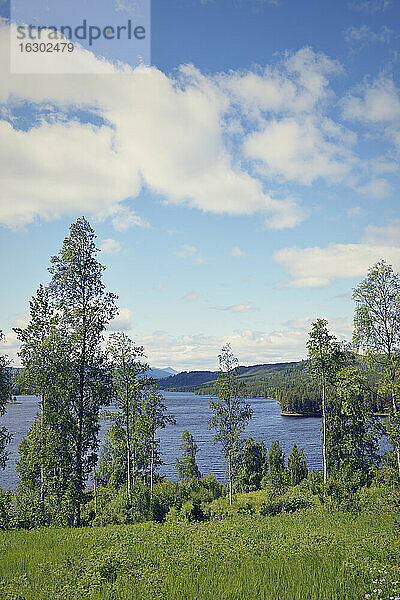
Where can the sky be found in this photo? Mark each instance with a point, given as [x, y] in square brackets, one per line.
[241, 181]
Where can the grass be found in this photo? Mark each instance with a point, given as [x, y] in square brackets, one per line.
[308, 555]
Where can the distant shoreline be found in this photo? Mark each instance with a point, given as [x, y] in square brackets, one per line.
[292, 414]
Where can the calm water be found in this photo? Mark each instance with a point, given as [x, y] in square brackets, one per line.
[191, 412]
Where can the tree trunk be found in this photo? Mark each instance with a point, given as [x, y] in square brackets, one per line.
[128, 450]
[230, 480]
[152, 466]
[134, 464]
[41, 457]
[78, 483]
[95, 490]
[324, 429]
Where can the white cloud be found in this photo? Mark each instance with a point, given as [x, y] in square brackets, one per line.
[110, 246]
[369, 6]
[359, 37]
[376, 102]
[341, 328]
[317, 267]
[185, 251]
[198, 351]
[192, 296]
[386, 235]
[354, 211]
[122, 321]
[377, 188]
[239, 308]
[237, 252]
[296, 85]
[125, 218]
[301, 150]
[143, 140]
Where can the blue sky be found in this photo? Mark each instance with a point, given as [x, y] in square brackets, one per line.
[239, 188]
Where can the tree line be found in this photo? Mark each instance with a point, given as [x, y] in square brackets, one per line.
[78, 373]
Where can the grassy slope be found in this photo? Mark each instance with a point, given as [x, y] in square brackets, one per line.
[310, 554]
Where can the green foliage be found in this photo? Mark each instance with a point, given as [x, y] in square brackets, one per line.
[186, 466]
[377, 333]
[5, 392]
[353, 430]
[121, 459]
[297, 469]
[230, 413]
[276, 465]
[304, 553]
[253, 466]
[62, 355]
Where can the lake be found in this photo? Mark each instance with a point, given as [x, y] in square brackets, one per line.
[191, 412]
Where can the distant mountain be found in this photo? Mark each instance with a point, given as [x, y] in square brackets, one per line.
[161, 373]
[195, 380]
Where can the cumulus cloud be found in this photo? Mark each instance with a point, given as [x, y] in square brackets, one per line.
[376, 102]
[126, 218]
[376, 188]
[369, 6]
[192, 296]
[185, 251]
[359, 37]
[296, 85]
[301, 150]
[388, 235]
[141, 139]
[340, 327]
[237, 252]
[238, 308]
[122, 321]
[318, 267]
[354, 211]
[198, 351]
[110, 246]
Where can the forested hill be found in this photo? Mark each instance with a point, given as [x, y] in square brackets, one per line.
[290, 383]
[196, 381]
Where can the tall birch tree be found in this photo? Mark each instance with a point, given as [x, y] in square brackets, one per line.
[325, 358]
[230, 413]
[377, 334]
[128, 370]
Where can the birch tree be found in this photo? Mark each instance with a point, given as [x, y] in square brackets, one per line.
[230, 413]
[128, 384]
[154, 417]
[377, 334]
[4, 396]
[186, 466]
[85, 309]
[325, 358]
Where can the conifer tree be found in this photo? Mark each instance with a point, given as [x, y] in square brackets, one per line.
[276, 464]
[186, 466]
[296, 466]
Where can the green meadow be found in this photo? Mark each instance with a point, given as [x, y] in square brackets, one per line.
[312, 553]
